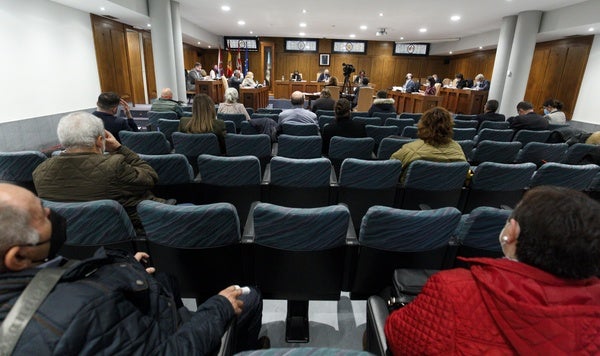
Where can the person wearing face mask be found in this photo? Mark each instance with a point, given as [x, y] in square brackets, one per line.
[553, 112]
[108, 106]
[82, 172]
[107, 304]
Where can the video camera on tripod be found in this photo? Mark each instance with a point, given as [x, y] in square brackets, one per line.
[348, 69]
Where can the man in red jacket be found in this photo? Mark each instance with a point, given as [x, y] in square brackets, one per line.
[542, 298]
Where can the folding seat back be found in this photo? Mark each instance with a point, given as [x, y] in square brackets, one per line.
[299, 146]
[154, 116]
[18, 167]
[357, 113]
[187, 240]
[378, 133]
[576, 152]
[494, 151]
[435, 184]
[363, 184]
[540, 153]
[93, 224]
[230, 126]
[410, 132]
[301, 183]
[467, 147]
[464, 134]
[465, 124]
[527, 136]
[325, 120]
[269, 111]
[389, 146]
[497, 125]
[501, 135]
[193, 145]
[393, 238]
[175, 177]
[274, 117]
[498, 184]
[408, 115]
[366, 120]
[462, 117]
[167, 127]
[236, 118]
[385, 115]
[300, 129]
[247, 129]
[400, 123]
[577, 177]
[149, 143]
[341, 148]
[250, 145]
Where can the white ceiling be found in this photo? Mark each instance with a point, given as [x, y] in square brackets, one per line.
[336, 19]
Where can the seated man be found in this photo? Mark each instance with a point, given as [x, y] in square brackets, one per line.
[489, 112]
[527, 118]
[236, 80]
[298, 113]
[296, 77]
[108, 105]
[324, 77]
[84, 173]
[166, 103]
[410, 86]
[108, 304]
[325, 102]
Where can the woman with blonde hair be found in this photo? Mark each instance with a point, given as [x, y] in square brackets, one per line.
[204, 120]
[248, 81]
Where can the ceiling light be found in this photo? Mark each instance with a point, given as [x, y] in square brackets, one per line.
[302, 24]
[251, 32]
[209, 46]
[363, 27]
[352, 35]
[241, 22]
[450, 52]
[303, 11]
[302, 34]
[422, 30]
[102, 9]
[455, 18]
[591, 29]
[381, 14]
[198, 42]
[225, 8]
[149, 25]
[480, 47]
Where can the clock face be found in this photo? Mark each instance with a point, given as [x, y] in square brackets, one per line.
[349, 46]
[301, 45]
[410, 48]
[242, 44]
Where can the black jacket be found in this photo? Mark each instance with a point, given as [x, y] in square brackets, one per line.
[530, 121]
[344, 128]
[115, 124]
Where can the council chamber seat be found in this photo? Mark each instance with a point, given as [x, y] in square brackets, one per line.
[149, 143]
[390, 145]
[299, 146]
[250, 145]
[175, 177]
[527, 136]
[167, 127]
[341, 148]
[399, 123]
[495, 151]
[540, 153]
[193, 145]
[154, 116]
[299, 255]
[299, 129]
[577, 177]
[197, 244]
[18, 167]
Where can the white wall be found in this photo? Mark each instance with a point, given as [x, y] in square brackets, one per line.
[586, 109]
[47, 60]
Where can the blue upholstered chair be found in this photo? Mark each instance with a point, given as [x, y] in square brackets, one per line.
[363, 184]
[464, 133]
[236, 118]
[341, 148]
[274, 117]
[495, 151]
[193, 145]
[366, 120]
[167, 127]
[154, 116]
[299, 129]
[299, 255]
[576, 152]
[389, 145]
[354, 114]
[235, 180]
[400, 123]
[299, 146]
[410, 132]
[250, 145]
[408, 115]
[250, 111]
[464, 117]
[301, 183]
[467, 147]
[230, 126]
[577, 177]
[435, 184]
[500, 135]
[378, 133]
[527, 136]
[393, 238]
[149, 143]
[385, 115]
[498, 184]
[465, 124]
[325, 120]
[540, 153]
[478, 233]
[93, 224]
[325, 112]
[198, 244]
[497, 125]
[269, 111]
[247, 129]
[17, 167]
[175, 177]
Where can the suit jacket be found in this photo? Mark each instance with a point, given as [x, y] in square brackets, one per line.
[296, 77]
[323, 77]
[115, 124]
[530, 121]
[323, 104]
[193, 75]
[411, 86]
[485, 85]
[490, 116]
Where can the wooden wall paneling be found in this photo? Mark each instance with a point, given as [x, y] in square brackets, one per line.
[537, 73]
[120, 62]
[149, 64]
[573, 72]
[134, 54]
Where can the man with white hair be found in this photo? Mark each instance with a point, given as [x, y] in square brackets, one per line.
[236, 80]
[166, 103]
[84, 173]
[298, 113]
[324, 77]
[410, 86]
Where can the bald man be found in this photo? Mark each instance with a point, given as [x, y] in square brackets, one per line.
[166, 103]
[297, 113]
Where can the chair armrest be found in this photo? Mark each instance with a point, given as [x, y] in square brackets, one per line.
[408, 281]
[332, 177]
[377, 313]
[228, 340]
[267, 175]
[248, 236]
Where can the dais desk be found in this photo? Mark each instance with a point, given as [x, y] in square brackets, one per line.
[413, 103]
[463, 101]
[255, 98]
[212, 88]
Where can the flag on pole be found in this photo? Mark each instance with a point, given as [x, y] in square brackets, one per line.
[229, 71]
[238, 64]
[220, 64]
[246, 62]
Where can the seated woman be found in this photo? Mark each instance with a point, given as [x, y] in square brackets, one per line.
[333, 82]
[248, 81]
[431, 87]
[382, 103]
[435, 141]
[553, 113]
[542, 298]
[343, 125]
[204, 120]
[231, 105]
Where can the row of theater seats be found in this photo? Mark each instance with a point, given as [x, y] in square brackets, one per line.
[296, 254]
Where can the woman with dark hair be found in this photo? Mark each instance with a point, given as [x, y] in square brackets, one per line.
[343, 125]
[542, 298]
[553, 113]
[435, 141]
[333, 82]
[431, 87]
[204, 120]
[382, 103]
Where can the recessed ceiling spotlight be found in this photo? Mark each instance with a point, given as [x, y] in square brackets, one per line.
[209, 46]
[198, 42]
[302, 34]
[480, 47]
[102, 9]
[251, 32]
[455, 18]
[363, 27]
[381, 14]
[225, 8]
[149, 25]
[241, 22]
[591, 29]
[450, 52]
[303, 11]
[302, 24]
[401, 38]
[352, 35]
[422, 30]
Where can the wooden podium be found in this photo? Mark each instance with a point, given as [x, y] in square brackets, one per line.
[463, 101]
[212, 88]
[255, 98]
[413, 103]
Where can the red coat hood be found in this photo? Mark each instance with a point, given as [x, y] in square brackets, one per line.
[538, 312]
